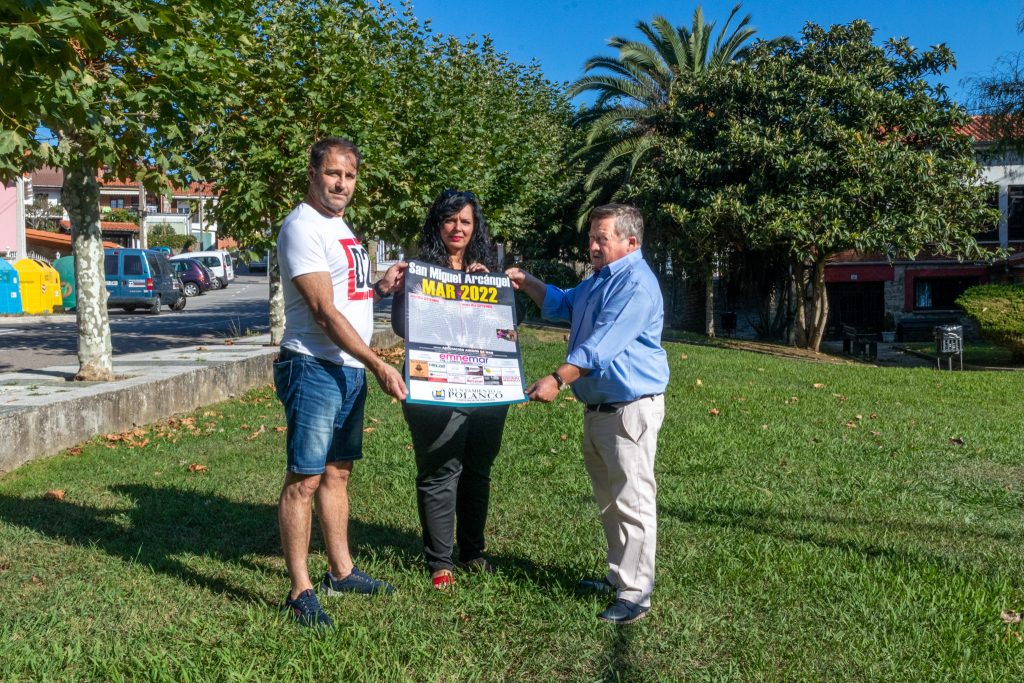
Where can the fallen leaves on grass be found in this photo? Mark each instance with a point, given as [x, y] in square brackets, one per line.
[256, 434]
[394, 355]
[876, 433]
[714, 411]
[563, 437]
[375, 420]
[957, 441]
[570, 399]
[683, 356]
[196, 467]
[851, 425]
[74, 450]
[369, 430]
[818, 385]
[698, 383]
[1010, 616]
[280, 429]
[54, 494]
[131, 439]
[792, 399]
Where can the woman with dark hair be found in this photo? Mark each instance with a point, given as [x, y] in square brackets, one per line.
[455, 447]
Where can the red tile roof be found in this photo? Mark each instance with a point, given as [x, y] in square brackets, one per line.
[109, 226]
[57, 239]
[990, 129]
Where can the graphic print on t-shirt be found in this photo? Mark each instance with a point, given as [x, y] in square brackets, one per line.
[358, 270]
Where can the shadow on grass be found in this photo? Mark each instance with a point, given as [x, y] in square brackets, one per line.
[163, 524]
[771, 524]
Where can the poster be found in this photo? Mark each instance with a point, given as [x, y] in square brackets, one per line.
[461, 346]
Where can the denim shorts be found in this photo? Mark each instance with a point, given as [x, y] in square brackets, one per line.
[323, 406]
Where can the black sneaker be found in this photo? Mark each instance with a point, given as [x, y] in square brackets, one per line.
[595, 587]
[306, 610]
[623, 612]
[357, 582]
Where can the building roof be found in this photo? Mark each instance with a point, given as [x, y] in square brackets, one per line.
[57, 239]
[109, 226]
[986, 128]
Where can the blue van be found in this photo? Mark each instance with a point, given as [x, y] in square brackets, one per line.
[138, 278]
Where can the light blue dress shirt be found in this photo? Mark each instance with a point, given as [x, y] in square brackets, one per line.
[616, 315]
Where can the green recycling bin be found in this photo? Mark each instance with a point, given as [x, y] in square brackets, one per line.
[65, 267]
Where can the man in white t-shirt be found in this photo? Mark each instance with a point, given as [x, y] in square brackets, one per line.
[320, 374]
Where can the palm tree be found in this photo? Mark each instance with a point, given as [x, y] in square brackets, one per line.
[631, 118]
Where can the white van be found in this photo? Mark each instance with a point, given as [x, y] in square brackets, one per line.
[219, 263]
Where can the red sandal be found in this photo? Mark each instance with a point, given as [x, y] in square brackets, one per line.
[443, 581]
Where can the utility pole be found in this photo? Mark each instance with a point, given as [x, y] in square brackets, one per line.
[143, 238]
[19, 217]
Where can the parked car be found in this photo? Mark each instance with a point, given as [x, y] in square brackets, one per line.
[138, 278]
[259, 264]
[217, 261]
[195, 277]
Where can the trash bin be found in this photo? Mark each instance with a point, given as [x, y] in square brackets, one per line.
[40, 286]
[10, 291]
[949, 342]
[729, 323]
[65, 267]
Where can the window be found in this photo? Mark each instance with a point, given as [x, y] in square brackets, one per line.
[991, 235]
[110, 264]
[1015, 212]
[132, 264]
[184, 209]
[116, 203]
[940, 293]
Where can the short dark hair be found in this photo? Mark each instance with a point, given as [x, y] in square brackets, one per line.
[628, 220]
[320, 148]
[447, 204]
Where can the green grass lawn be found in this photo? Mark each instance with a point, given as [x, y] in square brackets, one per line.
[830, 523]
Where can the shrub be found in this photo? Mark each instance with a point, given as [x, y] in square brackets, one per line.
[163, 235]
[999, 312]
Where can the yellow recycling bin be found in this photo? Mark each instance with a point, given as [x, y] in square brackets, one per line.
[40, 286]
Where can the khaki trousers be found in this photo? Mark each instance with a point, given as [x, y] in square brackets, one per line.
[618, 451]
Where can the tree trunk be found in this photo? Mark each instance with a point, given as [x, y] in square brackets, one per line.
[276, 303]
[709, 304]
[820, 306]
[798, 334]
[81, 199]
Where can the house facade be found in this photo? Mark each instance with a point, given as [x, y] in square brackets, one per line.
[911, 296]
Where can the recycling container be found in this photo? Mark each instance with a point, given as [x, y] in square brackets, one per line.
[40, 286]
[10, 292]
[65, 267]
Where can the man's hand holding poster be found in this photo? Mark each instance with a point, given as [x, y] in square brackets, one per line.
[462, 348]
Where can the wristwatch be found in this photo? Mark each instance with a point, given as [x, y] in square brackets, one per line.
[378, 290]
[558, 378]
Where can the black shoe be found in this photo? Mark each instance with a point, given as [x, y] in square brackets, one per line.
[478, 564]
[623, 612]
[306, 610]
[595, 587]
[357, 582]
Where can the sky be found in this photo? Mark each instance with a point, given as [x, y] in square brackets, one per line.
[562, 34]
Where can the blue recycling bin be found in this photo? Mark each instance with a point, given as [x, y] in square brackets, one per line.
[10, 291]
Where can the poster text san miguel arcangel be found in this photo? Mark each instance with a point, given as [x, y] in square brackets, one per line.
[461, 343]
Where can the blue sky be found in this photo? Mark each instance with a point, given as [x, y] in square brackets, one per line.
[562, 34]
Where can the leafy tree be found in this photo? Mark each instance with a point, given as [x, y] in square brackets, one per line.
[831, 142]
[999, 97]
[119, 85]
[163, 235]
[42, 215]
[635, 122]
[427, 111]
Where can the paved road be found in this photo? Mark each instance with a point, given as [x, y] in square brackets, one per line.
[33, 342]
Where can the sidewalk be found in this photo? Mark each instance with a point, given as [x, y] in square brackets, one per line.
[42, 411]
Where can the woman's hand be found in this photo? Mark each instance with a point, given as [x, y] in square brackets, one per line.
[477, 268]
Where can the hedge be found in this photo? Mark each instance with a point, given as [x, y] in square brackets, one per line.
[999, 312]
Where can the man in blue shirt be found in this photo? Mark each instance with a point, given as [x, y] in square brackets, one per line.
[617, 368]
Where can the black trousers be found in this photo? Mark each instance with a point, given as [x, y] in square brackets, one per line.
[455, 448]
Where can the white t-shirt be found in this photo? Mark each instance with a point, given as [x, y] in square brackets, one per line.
[310, 242]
